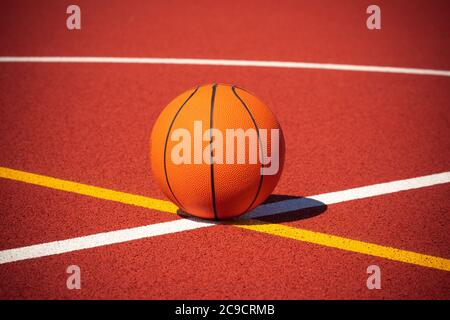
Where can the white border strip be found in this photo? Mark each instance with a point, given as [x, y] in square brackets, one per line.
[118, 236]
[231, 63]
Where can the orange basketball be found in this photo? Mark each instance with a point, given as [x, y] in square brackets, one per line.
[217, 151]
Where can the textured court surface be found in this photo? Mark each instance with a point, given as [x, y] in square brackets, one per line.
[66, 128]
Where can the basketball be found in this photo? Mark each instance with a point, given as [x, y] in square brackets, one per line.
[217, 151]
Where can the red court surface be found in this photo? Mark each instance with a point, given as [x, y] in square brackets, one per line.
[90, 123]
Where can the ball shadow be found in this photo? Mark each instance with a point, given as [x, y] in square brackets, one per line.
[277, 208]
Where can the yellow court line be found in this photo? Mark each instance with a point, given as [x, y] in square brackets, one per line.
[88, 190]
[348, 244]
[255, 225]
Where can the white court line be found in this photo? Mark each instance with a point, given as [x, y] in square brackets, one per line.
[231, 63]
[118, 236]
[348, 195]
[100, 239]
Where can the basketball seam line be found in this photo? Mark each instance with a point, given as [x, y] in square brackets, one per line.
[213, 191]
[233, 88]
[167, 140]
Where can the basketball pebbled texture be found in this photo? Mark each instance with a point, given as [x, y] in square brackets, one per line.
[218, 190]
